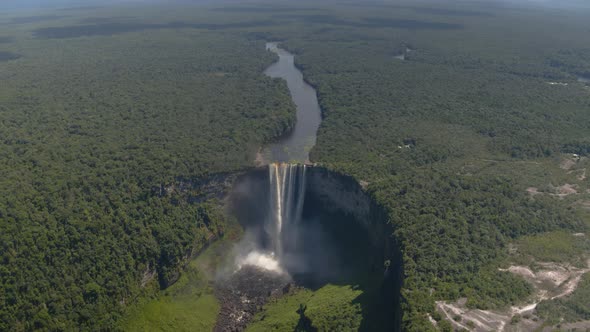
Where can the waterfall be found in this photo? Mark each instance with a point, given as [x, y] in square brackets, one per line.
[287, 192]
[286, 196]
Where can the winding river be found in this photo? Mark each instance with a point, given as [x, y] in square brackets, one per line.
[299, 223]
[294, 147]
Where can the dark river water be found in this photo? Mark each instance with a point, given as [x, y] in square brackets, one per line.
[584, 79]
[295, 146]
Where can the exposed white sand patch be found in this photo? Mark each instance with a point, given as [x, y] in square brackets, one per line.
[552, 278]
[567, 164]
[533, 191]
[521, 310]
[551, 281]
[559, 191]
[449, 311]
[482, 320]
[565, 190]
[573, 282]
[579, 234]
[431, 320]
[364, 184]
[556, 277]
[524, 271]
[259, 161]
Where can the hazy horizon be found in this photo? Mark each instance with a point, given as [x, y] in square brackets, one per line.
[21, 4]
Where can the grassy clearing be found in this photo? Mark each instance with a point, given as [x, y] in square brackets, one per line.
[172, 313]
[556, 247]
[189, 304]
[331, 308]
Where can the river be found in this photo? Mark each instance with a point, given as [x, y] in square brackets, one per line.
[294, 147]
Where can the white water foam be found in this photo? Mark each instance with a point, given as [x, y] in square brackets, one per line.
[261, 260]
[287, 191]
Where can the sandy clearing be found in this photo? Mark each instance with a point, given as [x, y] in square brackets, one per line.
[556, 277]
[567, 164]
[559, 191]
[259, 161]
[551, 281]
[582, 177]
[481, 319]
[521, 271]
[431, 320]
[533, 191]
[565, 190]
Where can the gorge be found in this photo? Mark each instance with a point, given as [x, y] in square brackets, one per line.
[307, 227]
[294, 166]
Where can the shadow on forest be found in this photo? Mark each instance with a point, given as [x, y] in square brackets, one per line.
[304, 324]
[105, 26]
[255, 9]
[108, 29]
[365, 4]
[422, 10]
[71, 9]
[35, 19]
[102, 20]
[449, 12]
[373, 22]
[7, 56]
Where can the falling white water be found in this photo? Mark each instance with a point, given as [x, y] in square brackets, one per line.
[287, 192]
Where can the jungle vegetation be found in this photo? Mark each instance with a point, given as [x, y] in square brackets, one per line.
[434, 134]
[105, 109]
[570, 309]
[94, 133]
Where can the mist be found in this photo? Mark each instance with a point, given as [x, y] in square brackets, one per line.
[549, 4]
[293, 244]
[56, 4]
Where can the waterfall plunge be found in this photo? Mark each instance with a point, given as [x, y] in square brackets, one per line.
[287, 193]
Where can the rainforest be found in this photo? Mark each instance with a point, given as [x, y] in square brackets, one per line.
[331, 165]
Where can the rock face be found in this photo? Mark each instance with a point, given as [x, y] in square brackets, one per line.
[339, 192]
[342, 194]
[342, 234]
[336, 192]
[244, 293]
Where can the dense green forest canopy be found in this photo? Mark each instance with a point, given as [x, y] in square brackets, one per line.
[92, 129]
[101, 109]
[490, 92]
